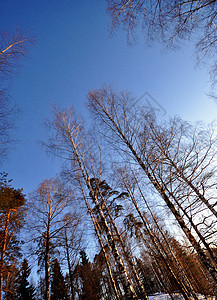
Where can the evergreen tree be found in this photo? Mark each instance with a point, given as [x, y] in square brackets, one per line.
[25, 290]
[41, 289]
[12, 217]
[10, 281]
[58, 285]
[90, 278]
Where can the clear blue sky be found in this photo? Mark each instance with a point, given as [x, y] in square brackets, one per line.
[75, 53]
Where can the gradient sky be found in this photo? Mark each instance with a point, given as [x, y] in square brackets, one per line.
[73, 54]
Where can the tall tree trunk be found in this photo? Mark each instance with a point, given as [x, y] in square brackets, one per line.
[182, 175]
[47, 265]
[189, 285]
[69, 134]
[97, 230]
[127, 285]
[166, 264]
[161, 282]
[126, 254]
[202, 239]
[4, 243]
[69, 265]
[160, 189]
[158, 246]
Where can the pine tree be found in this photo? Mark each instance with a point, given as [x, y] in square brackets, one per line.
[12, 217]
[58, 285]
[25, 290]
[90, 278]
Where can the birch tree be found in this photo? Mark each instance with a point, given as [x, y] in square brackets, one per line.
[69, 142]
[157, 237]
[70, 241]
[170, 22]
[186, 160]
[12, 48]
[49, 202]
[112, 110]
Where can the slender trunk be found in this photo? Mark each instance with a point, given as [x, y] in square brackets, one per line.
[202, 239]
[189, 182]
[97, 230]
[189, 285]
[132, 268]
[69, 266]
[157, 246]
[47, 262]
[4, 243]
[127, 285]
[165, 263]
[161, 190]
[160, 282]
[160, 275]
[114, 286]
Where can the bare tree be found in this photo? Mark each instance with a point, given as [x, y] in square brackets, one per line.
[70, 239]
[71, 142]
[8, 112]
[154, 231]
[98, 232]
[48, 204]
[170, 21]
[110, 108]
[108, 202]
[186, 157]
[12, 49]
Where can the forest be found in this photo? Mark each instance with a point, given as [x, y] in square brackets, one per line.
[136, 187]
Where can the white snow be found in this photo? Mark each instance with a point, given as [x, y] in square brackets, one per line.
[177, 297]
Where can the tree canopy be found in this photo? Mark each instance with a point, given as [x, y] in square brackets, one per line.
[170, 22]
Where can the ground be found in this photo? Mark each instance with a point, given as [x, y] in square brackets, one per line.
[176, 297]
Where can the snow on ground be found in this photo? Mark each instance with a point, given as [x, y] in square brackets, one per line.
[177, 297]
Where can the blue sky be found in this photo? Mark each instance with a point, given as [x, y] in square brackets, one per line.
[73, 54]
